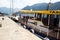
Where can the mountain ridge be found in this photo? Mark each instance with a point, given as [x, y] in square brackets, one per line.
[43, 6]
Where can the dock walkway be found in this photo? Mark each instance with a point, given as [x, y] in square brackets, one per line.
[12, 31]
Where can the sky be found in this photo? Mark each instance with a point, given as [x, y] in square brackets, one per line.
[22, 3]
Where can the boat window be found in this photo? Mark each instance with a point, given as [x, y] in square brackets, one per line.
[59, 16]
[55, 16]
[44, 16]
[38, 16]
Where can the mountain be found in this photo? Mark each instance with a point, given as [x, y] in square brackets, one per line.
[55, 6]
[27, 7]
[4, 10]
[7, 10]
[43, 6]
[40, 6]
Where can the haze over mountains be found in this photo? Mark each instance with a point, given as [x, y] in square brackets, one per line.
[39, 6]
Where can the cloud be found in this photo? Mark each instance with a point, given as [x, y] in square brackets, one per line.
[22, 3]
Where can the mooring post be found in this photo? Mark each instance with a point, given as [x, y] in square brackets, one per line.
[0, 25]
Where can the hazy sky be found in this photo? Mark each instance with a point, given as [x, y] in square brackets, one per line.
[22, 3]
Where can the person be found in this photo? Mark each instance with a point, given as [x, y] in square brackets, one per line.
[24, 18]
[27, 17]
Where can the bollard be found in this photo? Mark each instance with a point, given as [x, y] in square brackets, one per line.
[0, 25]
[2, 18]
